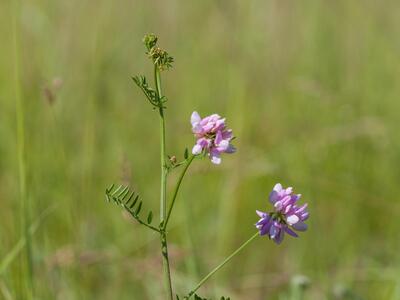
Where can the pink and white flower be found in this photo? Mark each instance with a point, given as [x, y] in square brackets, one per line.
[212, 136]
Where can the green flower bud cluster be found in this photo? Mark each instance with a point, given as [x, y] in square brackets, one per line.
[160, 57]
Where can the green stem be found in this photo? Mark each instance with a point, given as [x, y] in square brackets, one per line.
[163, 200]
[166, 268]
[178, 184]
[10, 256]
[226, 260]
[20, 118]
[157, 79]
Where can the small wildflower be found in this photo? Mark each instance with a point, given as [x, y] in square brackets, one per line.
[287, 215]
[212, 136]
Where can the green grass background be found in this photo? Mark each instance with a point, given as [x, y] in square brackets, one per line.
[311, 89]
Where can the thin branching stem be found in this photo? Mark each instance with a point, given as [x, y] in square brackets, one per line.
[178, 185]
[217, 268]
[146, 94]
[163, 200]
[139, 220]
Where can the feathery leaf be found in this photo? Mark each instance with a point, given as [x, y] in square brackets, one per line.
[123, 196]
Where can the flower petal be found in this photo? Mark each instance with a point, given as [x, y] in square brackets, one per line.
[273, 197]
[227, 134]
[218, 137]
[273, 231]
[197, 129]
[304, 216]
[261, 214]
[292, 219]
[300, 226]
[277, 187]
[286, 200]
[279, 238]
[223, 145]
[291, 232]
[195, 118]
[197, 149]
[295, 198]
[289, 190]
[278, 205]
[230, 149]
[215, 158]
[287, 209]
[219, 124]
[302, 208]
[265, 228]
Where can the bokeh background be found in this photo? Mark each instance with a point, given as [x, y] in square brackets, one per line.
[311, 89]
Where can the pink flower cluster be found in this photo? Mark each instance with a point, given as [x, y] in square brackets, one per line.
[213, 138]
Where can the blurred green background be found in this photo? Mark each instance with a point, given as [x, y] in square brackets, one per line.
[311, 90]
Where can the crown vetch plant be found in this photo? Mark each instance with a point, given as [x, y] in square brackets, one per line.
[213, 138]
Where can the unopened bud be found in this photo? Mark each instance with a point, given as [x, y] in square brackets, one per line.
[150, 41]
[172, 159]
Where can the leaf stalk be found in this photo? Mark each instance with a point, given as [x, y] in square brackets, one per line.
[223, 263]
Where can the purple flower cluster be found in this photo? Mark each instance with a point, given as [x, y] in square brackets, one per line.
[287, 215]
[212, 136]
